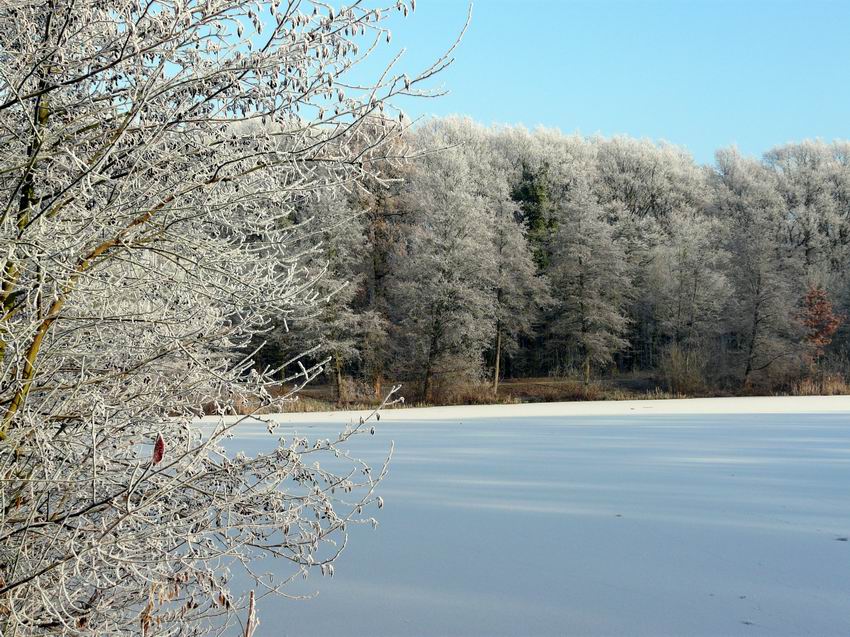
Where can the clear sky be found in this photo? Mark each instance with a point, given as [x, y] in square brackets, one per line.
[699, 73]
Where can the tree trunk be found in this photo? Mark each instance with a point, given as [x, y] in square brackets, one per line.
[751, 349]
[427, 386]
[585, 328]
[587, 369]
[433, 348]
[41, 114]
[340, 392]
[498, 359]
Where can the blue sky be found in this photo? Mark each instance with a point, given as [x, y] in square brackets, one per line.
[699, 73]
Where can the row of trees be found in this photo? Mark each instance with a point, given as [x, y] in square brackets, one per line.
[507, 252]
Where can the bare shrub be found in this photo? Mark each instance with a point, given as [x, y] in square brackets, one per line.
[682, 372]
[821, 385]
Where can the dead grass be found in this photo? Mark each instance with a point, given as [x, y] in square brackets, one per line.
[826, 385]
[568, 389]
[528, 390]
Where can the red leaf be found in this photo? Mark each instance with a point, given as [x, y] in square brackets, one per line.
[158, 449]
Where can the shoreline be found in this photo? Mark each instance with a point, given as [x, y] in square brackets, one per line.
[667, 406]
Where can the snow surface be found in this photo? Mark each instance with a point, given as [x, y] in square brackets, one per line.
[743, 405]
[689, 517]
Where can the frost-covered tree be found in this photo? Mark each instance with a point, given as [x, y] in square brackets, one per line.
[381, 204]
[491, 157]
[590, 285]
[691, 289]
[765, 289]
[816, 220]
[548, 165]
[641, 185]
[332, 328]
[152, 155]
[443, 281]
[645, 178]
[517, 208]
[519, 294]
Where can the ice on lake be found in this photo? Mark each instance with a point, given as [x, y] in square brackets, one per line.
[678, 524]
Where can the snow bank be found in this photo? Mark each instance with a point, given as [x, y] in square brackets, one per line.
[747, 405]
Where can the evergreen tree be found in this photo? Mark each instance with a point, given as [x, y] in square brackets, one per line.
[532, 196]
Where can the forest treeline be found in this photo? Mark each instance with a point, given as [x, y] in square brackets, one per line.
[500, 252]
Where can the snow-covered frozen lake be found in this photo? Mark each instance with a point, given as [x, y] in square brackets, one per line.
[627, 521]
